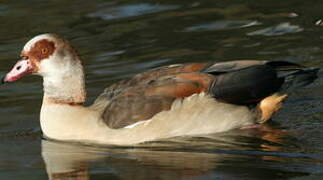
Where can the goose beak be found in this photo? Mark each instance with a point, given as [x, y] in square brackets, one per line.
[20, 69]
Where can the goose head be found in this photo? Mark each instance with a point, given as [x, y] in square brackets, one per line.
[56, 61]
[46, 55]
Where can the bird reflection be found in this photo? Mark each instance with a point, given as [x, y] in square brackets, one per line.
[178, 158]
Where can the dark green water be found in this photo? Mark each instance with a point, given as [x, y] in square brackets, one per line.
[117, 39]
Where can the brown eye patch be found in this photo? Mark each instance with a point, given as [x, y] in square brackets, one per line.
[42, 50]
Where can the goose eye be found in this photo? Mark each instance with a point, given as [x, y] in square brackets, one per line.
[44, 51]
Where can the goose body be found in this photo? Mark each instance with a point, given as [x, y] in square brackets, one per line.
[174, 100]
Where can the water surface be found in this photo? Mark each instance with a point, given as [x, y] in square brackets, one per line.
[117, 39]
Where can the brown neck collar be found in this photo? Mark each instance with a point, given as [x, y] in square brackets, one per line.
[62, 101]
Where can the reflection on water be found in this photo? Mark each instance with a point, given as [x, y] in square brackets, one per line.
[280, 29]
[117, 12]
[117, 39]
[213, 156]
[223, 25]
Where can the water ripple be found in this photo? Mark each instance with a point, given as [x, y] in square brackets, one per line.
[222, 25]
[3, 10]
[280, 29]
[118, 12]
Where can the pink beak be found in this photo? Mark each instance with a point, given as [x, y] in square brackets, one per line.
[20, 69]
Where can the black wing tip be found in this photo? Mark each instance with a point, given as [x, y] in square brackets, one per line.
[285, 64]
[300, 78]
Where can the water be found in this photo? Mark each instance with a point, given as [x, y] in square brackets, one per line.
[117, 39]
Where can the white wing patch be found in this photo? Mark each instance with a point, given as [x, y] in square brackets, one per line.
[137, 123]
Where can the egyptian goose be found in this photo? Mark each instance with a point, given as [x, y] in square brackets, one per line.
[175, 100]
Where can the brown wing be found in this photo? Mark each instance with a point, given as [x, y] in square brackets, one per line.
[153, 75]
[236, 82]
[142, 102]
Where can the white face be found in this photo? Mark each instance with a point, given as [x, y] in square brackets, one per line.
[39, 56]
